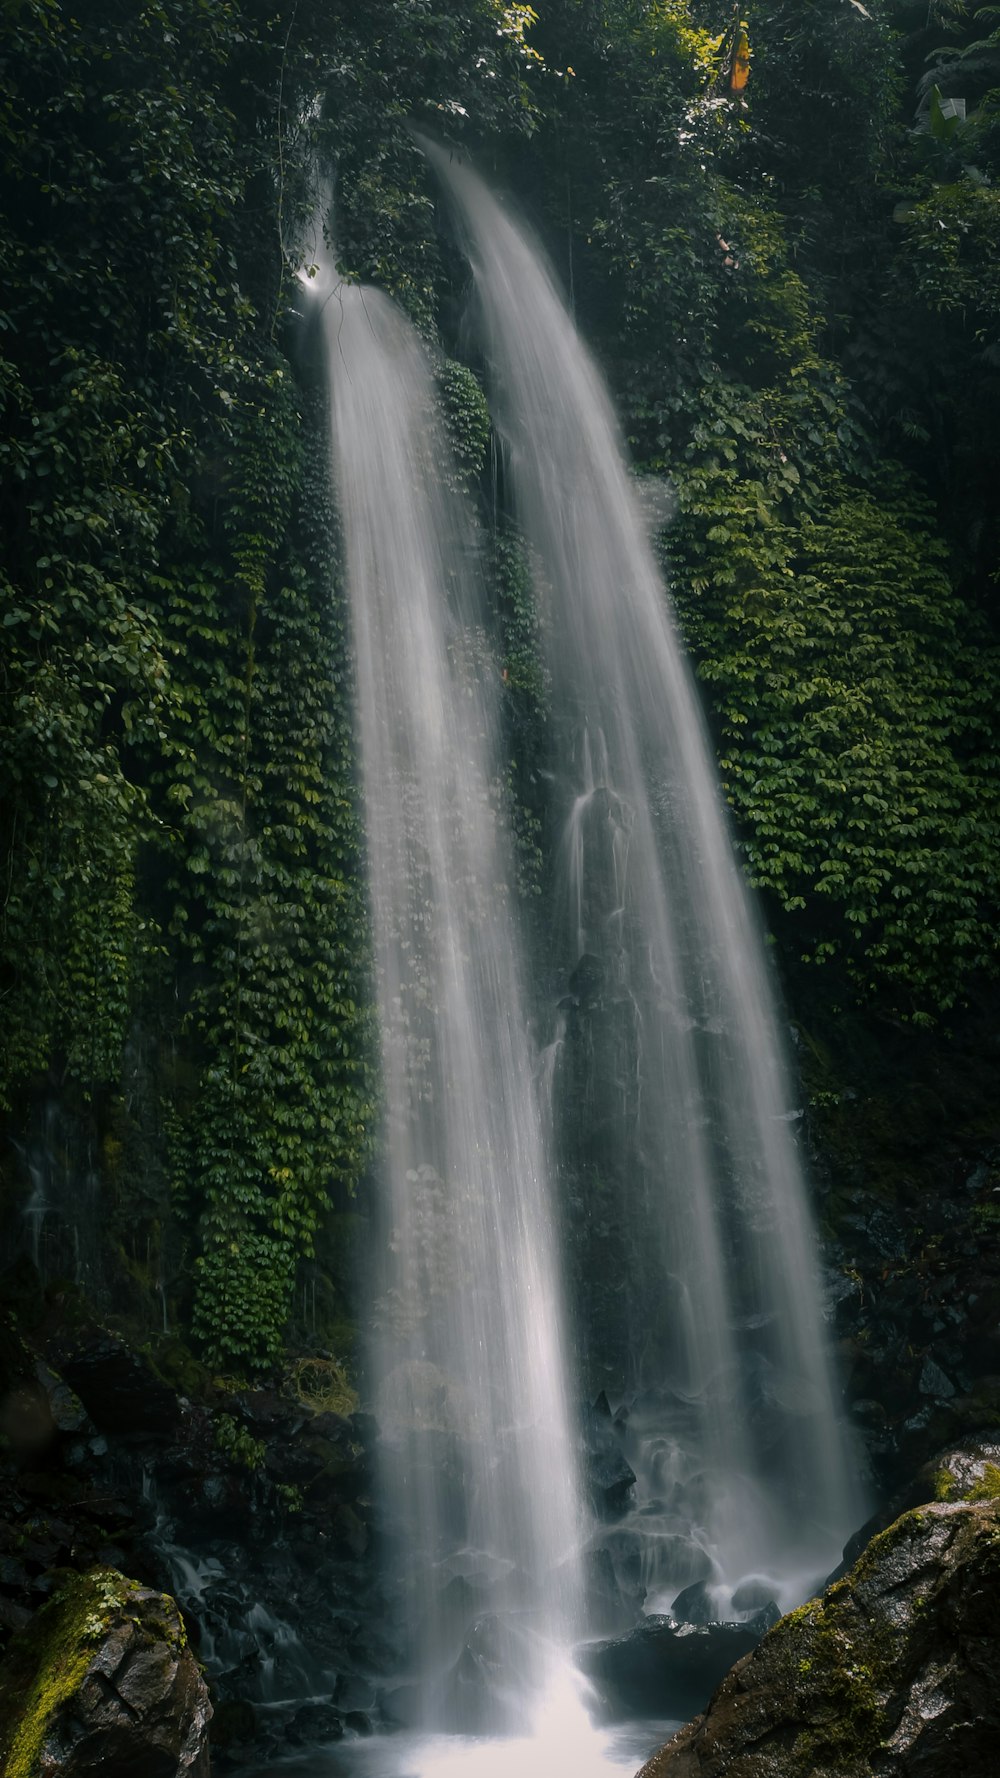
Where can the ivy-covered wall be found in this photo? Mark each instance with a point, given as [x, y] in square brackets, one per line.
[792, 287]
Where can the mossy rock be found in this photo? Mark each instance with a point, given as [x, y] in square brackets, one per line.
[966, 1469]
[891, 1672]
[102, 1684]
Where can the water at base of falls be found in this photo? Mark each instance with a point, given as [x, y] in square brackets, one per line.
[562, 1741]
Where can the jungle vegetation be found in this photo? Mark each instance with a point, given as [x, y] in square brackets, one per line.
[791, 280]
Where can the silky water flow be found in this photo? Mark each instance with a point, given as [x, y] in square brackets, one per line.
[745, 1484]
[746, 1481]
[479, 1473]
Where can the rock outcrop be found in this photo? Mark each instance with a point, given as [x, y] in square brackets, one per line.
[102, 1684]
[892, 1672]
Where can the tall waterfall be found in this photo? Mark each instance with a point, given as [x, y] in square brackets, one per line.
[735, 1434]
[471, 1390]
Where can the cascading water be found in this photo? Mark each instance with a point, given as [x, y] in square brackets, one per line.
[479, 1478]
[745, 1469]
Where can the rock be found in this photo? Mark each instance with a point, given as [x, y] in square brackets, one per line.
[933, 1382]
[892, 1672]
[12, 1615]
[265, 1411]
[694, 1605]
[969, 1469]
[607, 1610]
[314, 1723]
[609, 1477]
[587, 979]
[663, 1668]
[102, 1685]
[68, 1412]
[27, 1426]
[358, 1723]
[118, 1387]
[752, 1595]
[625, 1548]
[354, 1695]
[233, 1722]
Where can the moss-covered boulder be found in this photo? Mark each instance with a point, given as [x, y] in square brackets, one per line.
[968, 1469]
[102, 1682]
[893, 1671]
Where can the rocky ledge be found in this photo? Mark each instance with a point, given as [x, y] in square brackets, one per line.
[893, 1671]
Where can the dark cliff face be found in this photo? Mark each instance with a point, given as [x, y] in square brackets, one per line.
[891, 1672]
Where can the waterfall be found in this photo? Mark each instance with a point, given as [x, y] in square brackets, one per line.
[479, 1482]
[746, 1476]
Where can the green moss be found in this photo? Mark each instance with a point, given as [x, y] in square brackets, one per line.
[48, 1662]
[944, 1484]
[173, 1360]
[853, 1721]
[839, 1664]
[988, 1485]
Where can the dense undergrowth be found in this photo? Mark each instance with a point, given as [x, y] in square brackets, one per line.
[794, 294]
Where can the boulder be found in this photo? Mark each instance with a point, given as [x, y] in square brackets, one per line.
[694, 1605]
[609, 1477]
[102, 1684]
[314, 1723]
[118, 1387]
[892, 1672]
[663, 1668]
[968, 1469]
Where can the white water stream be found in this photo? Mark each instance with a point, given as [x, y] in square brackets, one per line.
[479, 1473]
[738, 1435]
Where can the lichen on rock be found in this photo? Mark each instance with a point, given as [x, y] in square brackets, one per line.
[102, 1682]
[890, 1672]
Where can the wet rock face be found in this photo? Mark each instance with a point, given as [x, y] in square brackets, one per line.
[103, 1685]
[892, 1672]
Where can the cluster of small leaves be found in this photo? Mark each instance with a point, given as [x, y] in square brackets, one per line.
[267, 905]
[467, 418]
[854, 726]
[237, 1443]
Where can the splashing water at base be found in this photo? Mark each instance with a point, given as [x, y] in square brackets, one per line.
[560, 1741]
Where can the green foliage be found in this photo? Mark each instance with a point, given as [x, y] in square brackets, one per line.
[181, 844]
[236, 1443]
[467, 418]
[386, 67]
[796, 298]
[855, 734]
[267, 905]
[731, 267]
